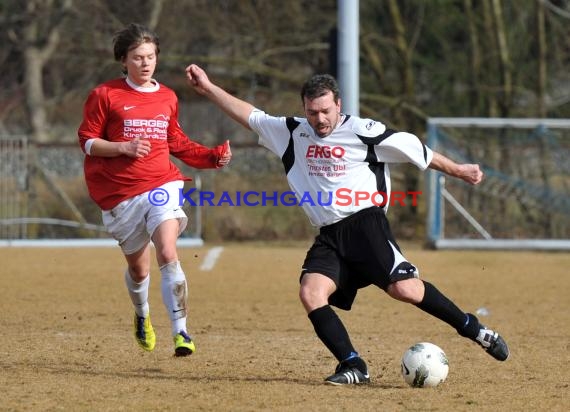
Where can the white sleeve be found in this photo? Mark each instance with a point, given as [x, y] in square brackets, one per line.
[403, 147]
[272, 131]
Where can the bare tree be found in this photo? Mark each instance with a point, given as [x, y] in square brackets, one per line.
[155, 14]
[505, 60]
[40, 39]
[475, 92]
[490, 78]
[542, 53]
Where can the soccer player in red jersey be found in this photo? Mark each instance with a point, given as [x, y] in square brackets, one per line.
[129, 130]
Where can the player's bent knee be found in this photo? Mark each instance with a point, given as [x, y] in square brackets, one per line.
[306, 295]
[312, 298]
[315, 290]
[407, 290]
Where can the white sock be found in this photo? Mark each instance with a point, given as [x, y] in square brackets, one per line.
[174, 294]
[138, 293]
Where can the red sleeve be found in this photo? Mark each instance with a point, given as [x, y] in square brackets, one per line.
[94, 116]
[192, 153]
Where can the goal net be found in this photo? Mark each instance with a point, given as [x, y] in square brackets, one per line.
[524, 200]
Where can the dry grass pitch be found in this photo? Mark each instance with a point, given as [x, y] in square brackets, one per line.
[66, 340]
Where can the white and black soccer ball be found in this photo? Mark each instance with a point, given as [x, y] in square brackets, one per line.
[424, 365]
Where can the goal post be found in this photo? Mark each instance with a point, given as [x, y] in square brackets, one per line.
[524, 199]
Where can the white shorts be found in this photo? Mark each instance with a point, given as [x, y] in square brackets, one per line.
[133, 221]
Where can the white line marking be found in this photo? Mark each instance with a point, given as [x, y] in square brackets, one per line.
[211, 258]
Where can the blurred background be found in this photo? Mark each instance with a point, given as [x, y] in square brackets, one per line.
[418, 59]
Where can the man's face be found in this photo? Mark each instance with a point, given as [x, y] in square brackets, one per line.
[141, 63]
[322, 113]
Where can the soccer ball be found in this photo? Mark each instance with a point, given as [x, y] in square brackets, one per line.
[424, 365]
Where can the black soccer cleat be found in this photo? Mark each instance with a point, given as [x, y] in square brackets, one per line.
[493, 343]
[348, 373]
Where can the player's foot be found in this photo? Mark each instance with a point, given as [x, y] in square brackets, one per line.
[144, 333]
[488, 339]
[493, 343]
[349, 372]
[183, 345]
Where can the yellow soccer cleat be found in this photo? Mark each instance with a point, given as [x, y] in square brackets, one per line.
[183, 345]
[144, 333]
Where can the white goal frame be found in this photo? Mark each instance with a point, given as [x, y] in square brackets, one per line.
[438, 195]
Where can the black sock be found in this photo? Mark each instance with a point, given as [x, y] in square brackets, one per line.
[436, 304]
[332, 333]
[471, 328]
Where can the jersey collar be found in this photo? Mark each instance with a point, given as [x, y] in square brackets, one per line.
[143, 89]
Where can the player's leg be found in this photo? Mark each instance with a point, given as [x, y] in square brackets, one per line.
[317, 292]
[126, 224]
[429, 299]
[402, 282]
[173, 284]
[164, 223]
[314, 293]
[137, 280]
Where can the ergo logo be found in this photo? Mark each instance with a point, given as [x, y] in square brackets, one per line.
[316, 151]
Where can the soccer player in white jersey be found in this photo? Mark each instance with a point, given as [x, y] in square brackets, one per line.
[330, 152]
[129, 130]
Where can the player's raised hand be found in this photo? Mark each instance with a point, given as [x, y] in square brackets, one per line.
[197, 78]
[471, 173]
[225, 155]
[237, 109]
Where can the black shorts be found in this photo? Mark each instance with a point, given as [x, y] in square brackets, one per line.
[356, 252]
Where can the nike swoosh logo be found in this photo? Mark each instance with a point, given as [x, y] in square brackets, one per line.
[128, 107]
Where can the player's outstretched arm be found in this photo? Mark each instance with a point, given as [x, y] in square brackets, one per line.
[237, 109]
[470, 173]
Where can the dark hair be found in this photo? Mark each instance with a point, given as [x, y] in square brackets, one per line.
[319, 85]
[132, 37]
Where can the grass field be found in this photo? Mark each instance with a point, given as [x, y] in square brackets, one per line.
[66, 340]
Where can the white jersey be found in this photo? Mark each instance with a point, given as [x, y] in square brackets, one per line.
[344, 172]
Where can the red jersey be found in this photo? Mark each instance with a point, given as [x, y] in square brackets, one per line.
[118, 111]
